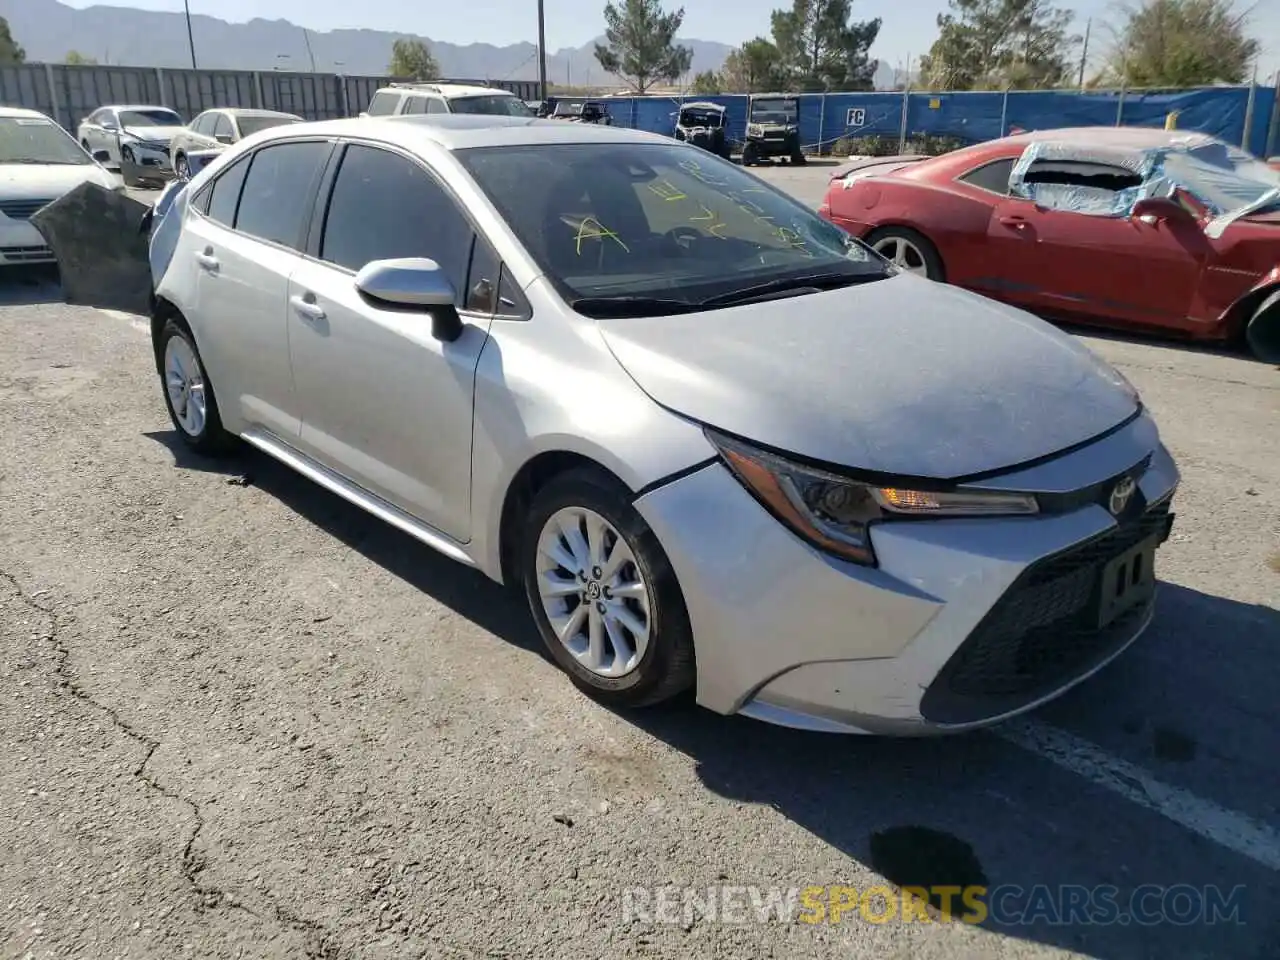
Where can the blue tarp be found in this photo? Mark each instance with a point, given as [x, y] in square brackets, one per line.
[974, 117]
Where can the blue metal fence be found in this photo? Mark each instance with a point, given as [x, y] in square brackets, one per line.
[971, 117]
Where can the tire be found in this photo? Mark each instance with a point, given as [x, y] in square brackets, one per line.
[665, 667]
[1263, 332]
[176, 349]
[926, 260]
[750, 154]
[799, 158]
[126, 155]
[180, 168]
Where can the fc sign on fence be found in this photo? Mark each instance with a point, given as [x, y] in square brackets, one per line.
[855, 117]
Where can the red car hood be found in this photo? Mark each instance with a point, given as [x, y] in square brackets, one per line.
[1271, 217]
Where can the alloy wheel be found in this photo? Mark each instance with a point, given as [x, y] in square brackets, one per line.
[184, 383]
[903, 253]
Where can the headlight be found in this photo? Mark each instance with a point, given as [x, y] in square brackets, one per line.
[835, 513]
[755, 130]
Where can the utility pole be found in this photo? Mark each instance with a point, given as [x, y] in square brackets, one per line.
[306, 36]
[191, 40]
[542, 52]
[1084, 53]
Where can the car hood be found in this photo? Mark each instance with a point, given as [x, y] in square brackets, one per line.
[31, 182]
[901, 376]
[153, 134]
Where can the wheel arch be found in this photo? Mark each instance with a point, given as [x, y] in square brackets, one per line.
[1236, 317]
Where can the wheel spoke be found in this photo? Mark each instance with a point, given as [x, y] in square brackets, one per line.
[572, 533]
[595, 540]
[567, 630]
[632, 590]
[553, 586]
[624, 615]
[594, 657]
[559, 554]
[622, 650]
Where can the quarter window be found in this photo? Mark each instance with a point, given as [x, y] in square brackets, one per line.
[992, 176]
[278, 191]
[385, 207]
[224, 195]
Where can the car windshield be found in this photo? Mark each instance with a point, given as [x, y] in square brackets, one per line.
[251, 125]
[495, 105]
[701, 118]
[1225, 178]
[659, 224]
[567, 109]
[37, 140]
[773, 111]
[149, 118]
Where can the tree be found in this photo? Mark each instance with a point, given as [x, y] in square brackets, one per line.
[706, 84]
[1182, 43]
[1000, 44]
[641, 47]
[10, 52]
[412, 60]
[76, 57]
[755, 67]
[821, 48]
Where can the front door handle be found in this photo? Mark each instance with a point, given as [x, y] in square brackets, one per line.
[307, 306]
[207, 260]
[1014, 221]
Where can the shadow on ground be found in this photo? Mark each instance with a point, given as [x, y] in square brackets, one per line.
[24, 286]
[1066, 861]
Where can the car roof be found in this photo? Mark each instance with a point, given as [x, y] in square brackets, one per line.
[456, 131]
[14, 113]
[448, 90]
[249, 112]
[1136, 139]
[702, 105]
[137, 106]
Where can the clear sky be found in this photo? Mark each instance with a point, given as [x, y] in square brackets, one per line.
[908, 29]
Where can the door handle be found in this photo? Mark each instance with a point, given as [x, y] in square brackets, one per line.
[1014, 221]
[307, 306]
[207, 260]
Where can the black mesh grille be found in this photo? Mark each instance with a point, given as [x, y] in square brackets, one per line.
[1043, 632]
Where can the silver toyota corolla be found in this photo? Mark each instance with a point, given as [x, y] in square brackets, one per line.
[716, 442]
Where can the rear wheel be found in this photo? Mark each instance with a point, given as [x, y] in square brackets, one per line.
[180, 167]
[750, 154]
[909, 250]
[603, 593]
[1263, 332]
[188, 395]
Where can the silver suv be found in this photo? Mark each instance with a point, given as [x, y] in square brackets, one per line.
[407, 99]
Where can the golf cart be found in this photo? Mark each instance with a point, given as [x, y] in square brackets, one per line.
[581, 111]
[702, 124]
[773, 128]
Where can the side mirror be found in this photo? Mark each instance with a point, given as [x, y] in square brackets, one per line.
[224, 138]
[1154, 209]
[415, 284]
[110, 126]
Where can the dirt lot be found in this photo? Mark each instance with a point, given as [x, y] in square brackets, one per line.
[240, 719]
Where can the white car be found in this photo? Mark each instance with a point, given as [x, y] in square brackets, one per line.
[39, 163]
[140, 135]
[218, 129]
[412, 99]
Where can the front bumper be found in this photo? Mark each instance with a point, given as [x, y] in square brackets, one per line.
[962, 624]
[21, 244]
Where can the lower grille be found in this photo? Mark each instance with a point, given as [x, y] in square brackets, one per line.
[1043, 632]
[22, 209]
[25, 254]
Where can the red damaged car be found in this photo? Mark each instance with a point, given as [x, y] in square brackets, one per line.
[1123, 227]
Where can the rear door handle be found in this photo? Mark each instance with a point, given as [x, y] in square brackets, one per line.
[208, 261]
[307, 306]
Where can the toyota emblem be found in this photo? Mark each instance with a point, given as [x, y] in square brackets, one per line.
[1121, 494]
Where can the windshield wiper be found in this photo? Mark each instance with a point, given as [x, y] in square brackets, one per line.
[811, 281]
[631, 306]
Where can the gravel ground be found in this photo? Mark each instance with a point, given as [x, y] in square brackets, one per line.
[241, 719]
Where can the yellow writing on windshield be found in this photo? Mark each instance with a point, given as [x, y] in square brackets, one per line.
[795, 240]
[709, 215]
[592, 229]
[667, 190]
[694, 169]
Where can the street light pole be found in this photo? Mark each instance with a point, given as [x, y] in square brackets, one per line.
[542, 52]
[191, 40]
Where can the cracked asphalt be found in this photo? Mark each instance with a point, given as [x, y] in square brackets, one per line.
[238, 718]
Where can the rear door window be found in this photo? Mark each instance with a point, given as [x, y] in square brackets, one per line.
[414, 105]
[278, 192]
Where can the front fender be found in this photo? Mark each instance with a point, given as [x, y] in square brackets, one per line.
[1234, 319]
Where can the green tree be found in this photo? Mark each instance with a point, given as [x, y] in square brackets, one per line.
[755, 67]
[640, 45]
[822, 48]
[412, 60]
[10, 52]
[707, 83]
[998, 44]
[1182, 43]
[76, 57]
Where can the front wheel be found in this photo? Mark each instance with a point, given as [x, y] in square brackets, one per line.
[750, 154]
[909, 250]
[603, 593]
[180, 167]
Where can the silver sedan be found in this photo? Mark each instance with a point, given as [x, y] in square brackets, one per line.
[716, 442]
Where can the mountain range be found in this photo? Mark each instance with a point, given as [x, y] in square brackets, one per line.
[49, 30]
